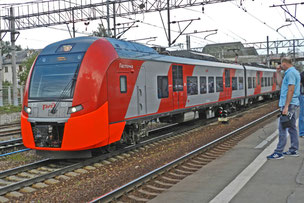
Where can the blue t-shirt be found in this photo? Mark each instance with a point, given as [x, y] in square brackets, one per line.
[291, 77]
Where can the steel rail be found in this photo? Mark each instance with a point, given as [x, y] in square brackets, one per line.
[14, 152]
[10, 142]
[10, 132]
[15, 124]
[113, 195]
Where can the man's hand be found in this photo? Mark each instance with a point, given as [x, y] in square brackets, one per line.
[285, 110]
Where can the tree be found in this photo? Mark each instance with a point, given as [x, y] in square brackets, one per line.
[101, 31]
[7, 48]
[28, 64]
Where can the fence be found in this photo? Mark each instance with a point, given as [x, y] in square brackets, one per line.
[7, 95]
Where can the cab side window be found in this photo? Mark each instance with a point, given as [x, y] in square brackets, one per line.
[123, 84]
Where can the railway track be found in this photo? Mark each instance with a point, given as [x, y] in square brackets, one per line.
[153, 183]
[12, 146]
[27, 175]
[10, 125]
[10, 131]
[23, 176]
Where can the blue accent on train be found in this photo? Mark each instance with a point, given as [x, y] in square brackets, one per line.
[131, 50]
[80, 44]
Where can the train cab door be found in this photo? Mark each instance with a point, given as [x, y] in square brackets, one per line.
[178, 86]
[141, 92]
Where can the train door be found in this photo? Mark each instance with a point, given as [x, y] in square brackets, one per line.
[178, 86]
[141, 92]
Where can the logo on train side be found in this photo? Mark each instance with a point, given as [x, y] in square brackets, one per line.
[48, 106]
[124, 66]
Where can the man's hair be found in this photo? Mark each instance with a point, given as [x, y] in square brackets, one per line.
[286, 60]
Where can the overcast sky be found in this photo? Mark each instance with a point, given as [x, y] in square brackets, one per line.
[232, 22]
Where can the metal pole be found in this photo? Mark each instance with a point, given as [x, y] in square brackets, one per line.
[1, 72]
[13, 40]
[108, 16]
[114, 19]
[73, 19]
[169, 29]
[267, 60]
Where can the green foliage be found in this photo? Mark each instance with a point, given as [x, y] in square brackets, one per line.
[6, 83]
[101, 31]
[10, 109]
[7, 48]
[28, 64]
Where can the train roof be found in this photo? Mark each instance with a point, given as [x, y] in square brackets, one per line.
[133, 50]
[259, 68]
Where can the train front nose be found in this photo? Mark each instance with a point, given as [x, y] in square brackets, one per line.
[47, 121]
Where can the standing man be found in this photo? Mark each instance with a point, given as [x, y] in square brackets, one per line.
[301, 115]
[289, 102]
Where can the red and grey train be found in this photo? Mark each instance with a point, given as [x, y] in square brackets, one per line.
[87, 92]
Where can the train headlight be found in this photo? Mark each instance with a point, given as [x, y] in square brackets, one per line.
[74, 109]
[27, 109]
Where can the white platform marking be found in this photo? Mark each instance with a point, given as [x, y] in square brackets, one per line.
[239, 182]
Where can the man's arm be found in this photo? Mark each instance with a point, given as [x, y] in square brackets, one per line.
[288, 98]
[279, 75]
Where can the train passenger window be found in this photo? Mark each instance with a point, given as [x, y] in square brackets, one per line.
[219, 84]
[123, 84]
[211, 84]
[249, 82]
[265, 81]
[177, 74]
[162, 87]
[262, 85]
[203, 85]
[227, 78]
[259, 78]
[254, 82]
[234, 83]
[241, 83]
[192, 85]
[268, 81]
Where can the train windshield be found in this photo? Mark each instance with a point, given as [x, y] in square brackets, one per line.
[53, 80]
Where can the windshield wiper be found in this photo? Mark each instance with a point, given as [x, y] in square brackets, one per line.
[66, 91]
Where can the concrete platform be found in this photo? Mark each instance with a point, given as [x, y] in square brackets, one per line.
[243, 174]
